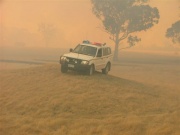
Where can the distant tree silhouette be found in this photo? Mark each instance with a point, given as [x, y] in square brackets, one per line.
[174, 32]
[48, 31]
[121, 18]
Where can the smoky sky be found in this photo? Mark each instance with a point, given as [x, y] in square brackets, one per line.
[74, 22]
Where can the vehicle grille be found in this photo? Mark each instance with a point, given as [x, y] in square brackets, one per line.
[74, 61]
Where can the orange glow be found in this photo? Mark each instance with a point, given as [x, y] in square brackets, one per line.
[75, 22]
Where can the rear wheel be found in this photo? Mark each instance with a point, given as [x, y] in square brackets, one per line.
[106, 69]
[90, 70]
[64, 69]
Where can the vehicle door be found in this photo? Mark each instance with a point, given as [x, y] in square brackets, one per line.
[105, 56]
[99, 59]
[108, 54]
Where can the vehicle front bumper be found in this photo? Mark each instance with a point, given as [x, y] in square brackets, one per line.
[75, 66]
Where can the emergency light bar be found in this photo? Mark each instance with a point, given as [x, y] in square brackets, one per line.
[98, 44]
[95, 43]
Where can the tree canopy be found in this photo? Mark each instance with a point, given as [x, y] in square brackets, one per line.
[121, 18]
[174, 32]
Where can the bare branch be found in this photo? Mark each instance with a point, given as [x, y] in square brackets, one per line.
[112, 37]
[124, 36]
[125, 47]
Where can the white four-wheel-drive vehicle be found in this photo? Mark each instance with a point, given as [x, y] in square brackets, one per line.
[87, 57]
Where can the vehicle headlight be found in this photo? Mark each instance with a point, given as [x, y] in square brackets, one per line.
[84, 62]
[63, 58]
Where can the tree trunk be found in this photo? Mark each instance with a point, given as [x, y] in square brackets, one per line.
[116, 52]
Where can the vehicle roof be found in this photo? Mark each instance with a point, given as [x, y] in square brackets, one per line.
[97, 46]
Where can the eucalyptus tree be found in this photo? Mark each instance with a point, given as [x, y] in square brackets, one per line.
[174, 32]
[121, 18]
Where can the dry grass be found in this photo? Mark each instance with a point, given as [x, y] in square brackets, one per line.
[42, 101]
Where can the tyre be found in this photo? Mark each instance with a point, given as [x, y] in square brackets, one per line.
[106, 69]
[64, 69]
[90, 70]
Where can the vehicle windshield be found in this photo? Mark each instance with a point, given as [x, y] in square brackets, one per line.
[86, 50]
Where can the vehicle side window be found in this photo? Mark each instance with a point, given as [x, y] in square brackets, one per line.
[99, 54]
[106, 51]
[109, 50]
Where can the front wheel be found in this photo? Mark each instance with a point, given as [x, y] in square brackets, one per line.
[90, 70]
[106, 69]
[64, 69]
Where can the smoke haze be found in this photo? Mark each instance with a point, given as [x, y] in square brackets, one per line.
[73, 21]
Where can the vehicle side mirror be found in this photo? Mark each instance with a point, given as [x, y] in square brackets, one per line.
[71, 50]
